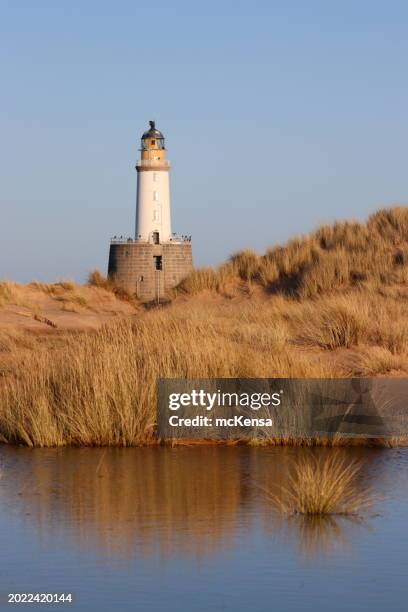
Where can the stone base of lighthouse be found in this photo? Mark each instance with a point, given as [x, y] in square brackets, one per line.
[149, 270]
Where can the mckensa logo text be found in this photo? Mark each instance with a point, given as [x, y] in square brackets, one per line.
[205, 421]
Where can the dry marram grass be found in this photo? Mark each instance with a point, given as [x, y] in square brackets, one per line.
[323, 486]
[332, 304]
[334, 257]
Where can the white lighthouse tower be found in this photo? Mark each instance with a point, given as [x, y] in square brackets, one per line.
[153, 223]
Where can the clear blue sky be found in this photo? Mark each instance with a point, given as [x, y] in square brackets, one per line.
[278, 116]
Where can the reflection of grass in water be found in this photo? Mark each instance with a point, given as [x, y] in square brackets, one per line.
[136, 501]
[322, 534]
[322, 486]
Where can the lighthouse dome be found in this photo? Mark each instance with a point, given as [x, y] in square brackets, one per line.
[152, 138]
[152, 132]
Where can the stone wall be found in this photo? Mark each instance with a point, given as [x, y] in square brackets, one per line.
[132, 266]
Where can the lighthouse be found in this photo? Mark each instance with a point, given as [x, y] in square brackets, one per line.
[153, 221]
[156, 259]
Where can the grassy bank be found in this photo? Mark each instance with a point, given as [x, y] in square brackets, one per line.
[337, 257]
[97, 388]
[333, 304]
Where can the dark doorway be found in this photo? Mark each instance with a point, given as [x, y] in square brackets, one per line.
[157, 262]
[156, 237]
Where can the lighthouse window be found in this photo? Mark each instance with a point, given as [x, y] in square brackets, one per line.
[157, 262]
[153, 142]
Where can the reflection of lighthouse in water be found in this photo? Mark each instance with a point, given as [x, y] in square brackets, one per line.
[153, 222]
[156, 259]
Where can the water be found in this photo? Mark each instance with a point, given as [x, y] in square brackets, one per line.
[192, 529]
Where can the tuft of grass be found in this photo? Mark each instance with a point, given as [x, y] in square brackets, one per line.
[324, 486]
[65, 291]
[373, 361]
[72, 298]
[12, 340]
[6, 292]
[96, 279]
[68, 285]
[199, 280]
[245, 265]
[334, 324]
[54, 288]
